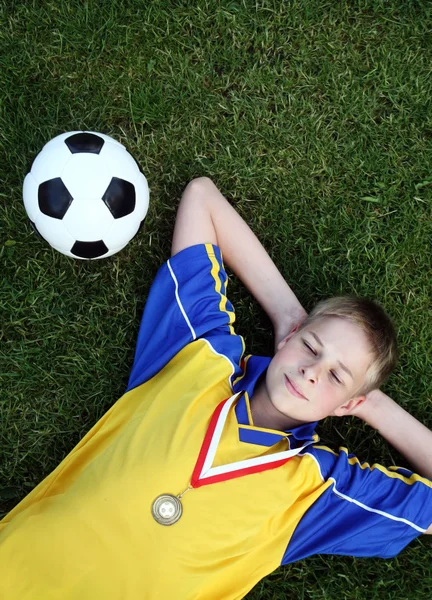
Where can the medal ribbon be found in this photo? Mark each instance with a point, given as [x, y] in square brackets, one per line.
[205, 474]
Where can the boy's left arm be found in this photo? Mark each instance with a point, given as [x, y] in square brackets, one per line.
[410, 437]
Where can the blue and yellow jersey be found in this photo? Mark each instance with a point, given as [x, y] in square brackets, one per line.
[86, 532]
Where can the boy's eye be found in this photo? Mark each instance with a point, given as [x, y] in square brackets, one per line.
[335, 377]
[309, 347]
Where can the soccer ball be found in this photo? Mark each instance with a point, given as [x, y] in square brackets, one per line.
[85, 195]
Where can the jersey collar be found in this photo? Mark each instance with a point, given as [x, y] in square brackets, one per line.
[253, 368]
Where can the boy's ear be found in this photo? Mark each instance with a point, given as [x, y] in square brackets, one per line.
[349, 408]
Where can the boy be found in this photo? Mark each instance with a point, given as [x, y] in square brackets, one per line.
[207, 474]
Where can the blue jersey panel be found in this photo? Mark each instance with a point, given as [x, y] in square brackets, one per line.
[187, 301]
[366, 511]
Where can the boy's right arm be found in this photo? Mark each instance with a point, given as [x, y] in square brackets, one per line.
[400, 429]
[205, 216]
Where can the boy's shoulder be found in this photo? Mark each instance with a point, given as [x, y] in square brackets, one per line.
[359, 480]
[187, 302]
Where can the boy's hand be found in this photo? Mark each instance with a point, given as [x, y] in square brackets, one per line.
[284, 332]
[363, 409]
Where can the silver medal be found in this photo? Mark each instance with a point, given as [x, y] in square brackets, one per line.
[167, 509]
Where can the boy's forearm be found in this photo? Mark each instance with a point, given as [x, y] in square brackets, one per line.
[247, 258]
[410, 437]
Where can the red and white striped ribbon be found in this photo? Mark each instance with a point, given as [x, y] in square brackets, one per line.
[205, 474]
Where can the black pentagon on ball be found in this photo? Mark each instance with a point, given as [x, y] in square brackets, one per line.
[84, 142]
[89, 249]
[54, 198]
[120, 197]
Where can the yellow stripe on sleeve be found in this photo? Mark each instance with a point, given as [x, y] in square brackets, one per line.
[353, 460]
[218, 287]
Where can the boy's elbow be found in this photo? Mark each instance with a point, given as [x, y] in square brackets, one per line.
[203, 180]
[198, 186]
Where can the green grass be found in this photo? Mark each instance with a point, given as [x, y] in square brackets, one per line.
[314, 118]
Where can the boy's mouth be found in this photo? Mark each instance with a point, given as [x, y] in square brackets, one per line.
[291, 387]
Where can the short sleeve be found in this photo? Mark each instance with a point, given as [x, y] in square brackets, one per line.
[364, 510]
[187, 301]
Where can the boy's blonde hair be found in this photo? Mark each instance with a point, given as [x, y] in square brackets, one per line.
[376, 324]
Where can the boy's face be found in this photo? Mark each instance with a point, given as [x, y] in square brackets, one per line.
[317, 371]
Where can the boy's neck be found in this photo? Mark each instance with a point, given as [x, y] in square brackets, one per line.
[264, 413]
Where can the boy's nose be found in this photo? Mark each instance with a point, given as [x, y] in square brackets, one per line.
[310, 373]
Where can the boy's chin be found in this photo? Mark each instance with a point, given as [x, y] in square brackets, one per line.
[309, 416]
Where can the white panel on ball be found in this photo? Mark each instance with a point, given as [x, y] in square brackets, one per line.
[88, 219]
[122, 231]
[142, 195]
[119, 162]
[30, 197]
[86, 173]
[51, 161]
[54, 231]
